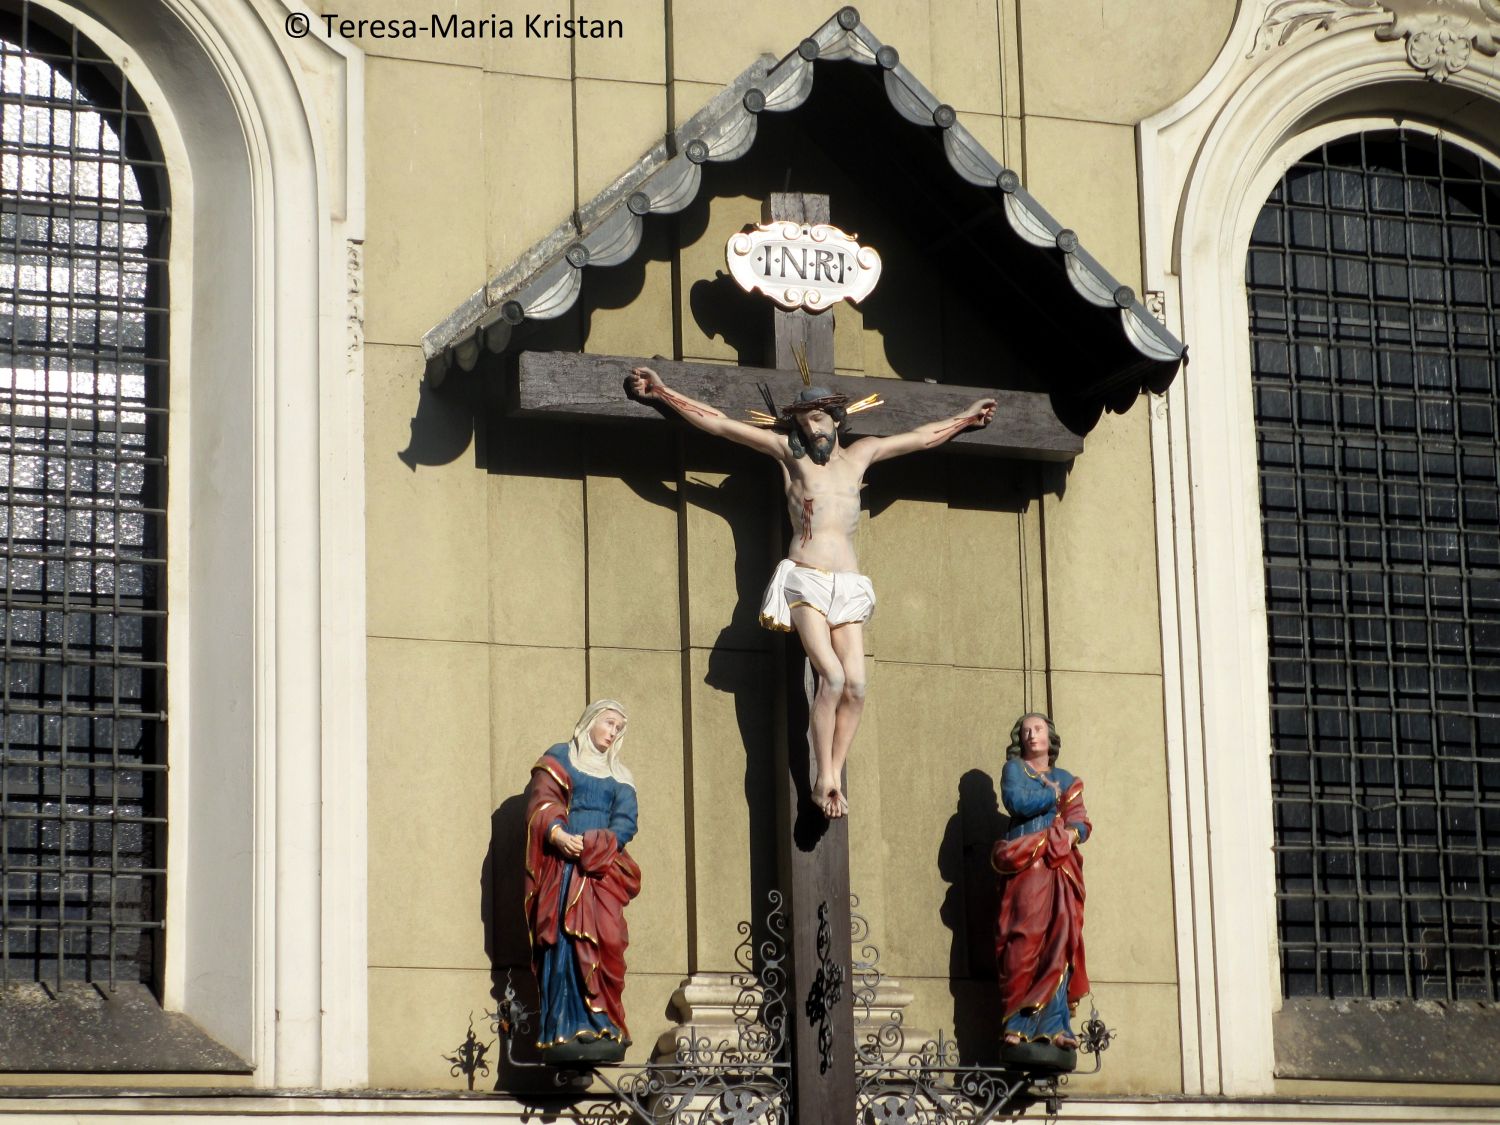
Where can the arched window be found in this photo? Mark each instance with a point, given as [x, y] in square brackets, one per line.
[83, 223]
[247, 919]
[1373, 280]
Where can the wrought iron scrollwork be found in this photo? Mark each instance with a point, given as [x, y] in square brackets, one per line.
[826, 991]
[1094, 1037]
[743, 1078]
[874, 1042]
[933, 1086]
[468, 1058]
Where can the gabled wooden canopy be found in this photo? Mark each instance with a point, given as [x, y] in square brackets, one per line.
[1057, 307]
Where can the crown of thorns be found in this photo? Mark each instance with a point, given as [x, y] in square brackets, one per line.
[810, 399]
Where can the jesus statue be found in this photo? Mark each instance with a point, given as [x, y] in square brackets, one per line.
[817, 589]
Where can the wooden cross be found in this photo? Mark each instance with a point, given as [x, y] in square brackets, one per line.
[570, 386]
[812, 851]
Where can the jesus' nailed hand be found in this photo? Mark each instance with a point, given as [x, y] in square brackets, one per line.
[818, 590]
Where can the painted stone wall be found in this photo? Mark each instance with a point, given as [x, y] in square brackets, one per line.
[517, 571]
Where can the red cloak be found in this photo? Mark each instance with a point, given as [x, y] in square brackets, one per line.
[606, 879]
[1040, 931]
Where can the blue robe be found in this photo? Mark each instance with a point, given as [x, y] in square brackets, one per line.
[1032, 806]
[596, 802]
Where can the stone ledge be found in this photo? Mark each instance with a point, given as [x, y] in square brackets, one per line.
[82, 1029]
[1388, 1040]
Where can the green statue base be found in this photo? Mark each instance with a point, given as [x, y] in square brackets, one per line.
[587, 1052]
[1039, 1056]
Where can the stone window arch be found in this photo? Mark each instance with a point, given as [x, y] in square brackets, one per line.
[1280, 89]
[264, 926]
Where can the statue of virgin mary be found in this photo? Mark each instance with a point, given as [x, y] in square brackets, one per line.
[580, 815]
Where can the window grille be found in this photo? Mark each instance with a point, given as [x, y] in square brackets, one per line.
[1374, 279]
[82, 445]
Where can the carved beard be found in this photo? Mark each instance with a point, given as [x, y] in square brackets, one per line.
[819, 447]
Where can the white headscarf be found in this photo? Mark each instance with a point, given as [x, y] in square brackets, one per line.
[587, 758]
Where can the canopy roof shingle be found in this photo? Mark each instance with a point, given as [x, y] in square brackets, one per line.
[1083, 323]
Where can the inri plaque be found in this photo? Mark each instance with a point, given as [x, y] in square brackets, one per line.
[801, 266]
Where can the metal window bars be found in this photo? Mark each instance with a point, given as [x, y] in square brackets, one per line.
[1373, 280]
[82, 452]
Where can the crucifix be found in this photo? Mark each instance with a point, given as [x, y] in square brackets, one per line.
[813, 849]
[823, 601]
[818, 593]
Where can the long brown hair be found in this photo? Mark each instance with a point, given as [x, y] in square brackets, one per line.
[1054, 741]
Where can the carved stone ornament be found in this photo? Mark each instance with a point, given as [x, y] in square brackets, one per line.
[800, 266]
[355, 317]
[1441, 35]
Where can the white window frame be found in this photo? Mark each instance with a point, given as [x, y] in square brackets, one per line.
[1207, 165]
[266, 856]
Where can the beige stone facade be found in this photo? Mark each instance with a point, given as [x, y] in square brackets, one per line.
[505, 574]
[613, 572]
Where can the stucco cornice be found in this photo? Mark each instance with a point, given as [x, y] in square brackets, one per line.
[1440, 36]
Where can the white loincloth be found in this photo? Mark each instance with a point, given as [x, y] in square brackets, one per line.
[841, 596]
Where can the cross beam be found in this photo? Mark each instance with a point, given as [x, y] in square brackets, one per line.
[569, 386]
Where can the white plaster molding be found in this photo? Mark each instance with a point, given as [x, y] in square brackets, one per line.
[1440, 36]
[1207, 164]
[262, 137]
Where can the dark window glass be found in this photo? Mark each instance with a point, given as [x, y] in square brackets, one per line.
[1375, 406]
[82, 442]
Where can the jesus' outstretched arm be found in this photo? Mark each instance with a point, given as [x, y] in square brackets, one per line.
[647, 386]
[976, 415]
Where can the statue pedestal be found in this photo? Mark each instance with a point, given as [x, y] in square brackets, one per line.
[705, 1007]
[1039, 1058]
[585, 1053]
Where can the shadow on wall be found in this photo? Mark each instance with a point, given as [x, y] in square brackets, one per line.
[742, 658]
[502, 891]
[507, 946]
[443, 427]
[969, 910]
[747, 499]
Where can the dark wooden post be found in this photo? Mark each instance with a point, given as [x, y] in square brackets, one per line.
[813, 851]
[798, 329]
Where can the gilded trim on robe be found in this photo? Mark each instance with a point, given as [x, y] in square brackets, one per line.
[1074, 880]
[578, 887]
[1051, 996]
[559, 776]
[587, 922]
[583, 1037]
[1039, 932]
[1041, 843]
